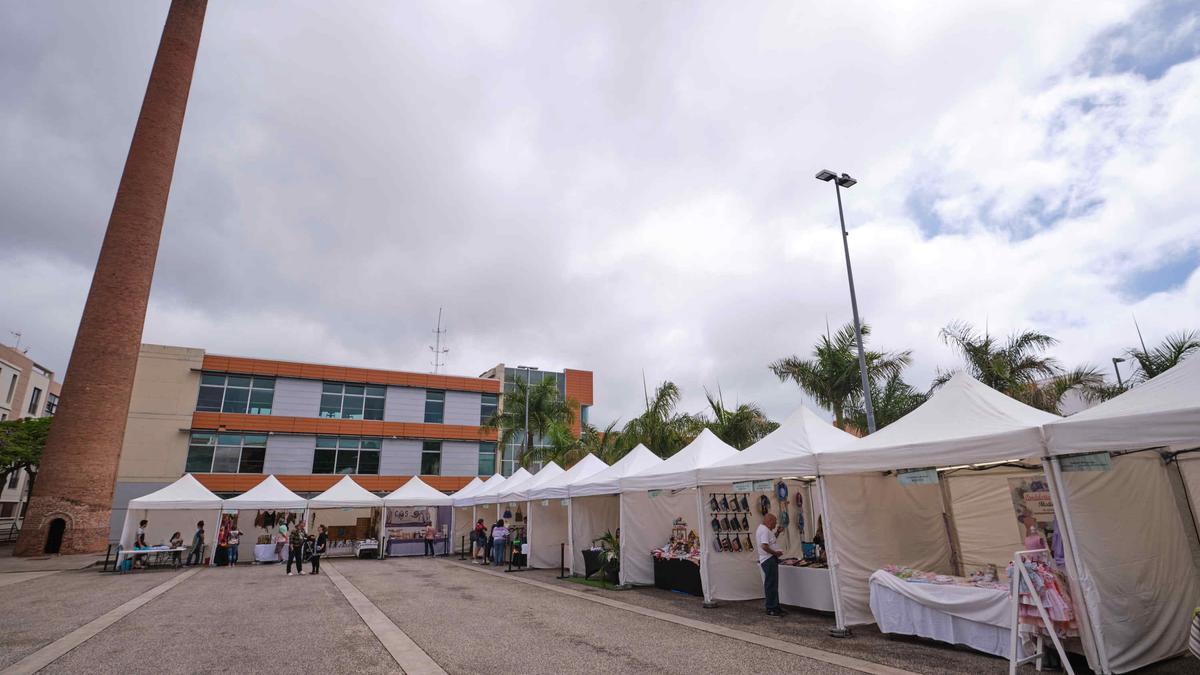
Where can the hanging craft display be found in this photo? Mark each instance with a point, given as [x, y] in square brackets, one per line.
[764, 505]
[724, 503]
[781, 491]
[712, 503]
[745, 503]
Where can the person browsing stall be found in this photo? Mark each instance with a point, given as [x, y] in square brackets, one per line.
[296, 549]
[197, 552]
[177, 542]
[479, 537]
[768, 560]
[322, 543]
[499, 539]
[430, 533]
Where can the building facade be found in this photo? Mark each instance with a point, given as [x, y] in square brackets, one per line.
[231, 420]
[27, 389]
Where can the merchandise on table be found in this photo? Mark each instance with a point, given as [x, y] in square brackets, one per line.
[913, 576]
[684, 544]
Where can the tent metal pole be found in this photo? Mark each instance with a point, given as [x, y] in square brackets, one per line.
[570, 537]
[956, 556]
[709, 603]
[1062, 511]
[382, 519]
[831, 556]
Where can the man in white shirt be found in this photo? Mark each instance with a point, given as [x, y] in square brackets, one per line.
[768, 559]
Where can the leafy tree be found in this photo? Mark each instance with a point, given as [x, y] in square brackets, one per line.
[740, 427]
[661, 428]
[832, 376]
[605, 444]
[21, 445]
[1018, 367]
[1173, 349]
[893, 400]
[548, 410]
[559, 446]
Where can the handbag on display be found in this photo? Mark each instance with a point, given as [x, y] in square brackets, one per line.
[724, 503]
[716, 524]
[745, 503]
[745, 523]
[725, 523]
[734, 524]
[737, 544]
[712, 503]
[764, 505]
[749, 544]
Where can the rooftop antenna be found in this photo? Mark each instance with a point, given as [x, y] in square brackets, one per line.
[1139, 332]
[437, 348]
[18, 336]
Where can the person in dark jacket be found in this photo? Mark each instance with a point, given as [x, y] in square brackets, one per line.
[296, 549]
[197, 552]
[322, 542]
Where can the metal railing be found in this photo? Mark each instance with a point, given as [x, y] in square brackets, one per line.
[9, 533]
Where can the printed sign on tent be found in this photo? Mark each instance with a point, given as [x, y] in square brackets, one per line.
[1096, 461]
[917, 476]
[744, 486]
[1033, 506]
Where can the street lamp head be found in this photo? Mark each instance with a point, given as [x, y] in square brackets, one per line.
[1118, 359]
[826, 175]
[846, 181]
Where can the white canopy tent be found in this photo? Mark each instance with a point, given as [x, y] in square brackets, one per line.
[414, 493]
[350, 498]
[270, 494]
[780, 456]
[595, 506]
[550, 512]
[543, 544]
[464, 514]
[558, 487]
[521, 492]
[500, 495]
[647, 517]
[1131, 523]
[175, 508]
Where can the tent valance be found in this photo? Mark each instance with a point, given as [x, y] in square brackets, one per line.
[469, 489]
[269, 494]
[608, 481]
[417, 492]
[185, 493]
[790, 450]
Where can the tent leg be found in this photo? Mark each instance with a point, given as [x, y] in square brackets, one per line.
[840, 629]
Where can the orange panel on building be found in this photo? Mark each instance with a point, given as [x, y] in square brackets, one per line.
[272, 368]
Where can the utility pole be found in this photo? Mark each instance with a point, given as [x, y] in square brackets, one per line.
[437, 348]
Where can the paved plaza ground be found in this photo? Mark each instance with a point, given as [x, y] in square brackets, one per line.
[422, 615]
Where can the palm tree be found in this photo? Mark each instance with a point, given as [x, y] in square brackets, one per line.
[605, 445]
[1018, 367]
[547, 408]
[1173, 349]
[559, 445]
[894, 400]
[660, 428]
[740, 427]
[832, 377]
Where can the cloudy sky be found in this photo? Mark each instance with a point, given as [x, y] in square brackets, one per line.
[617, 186]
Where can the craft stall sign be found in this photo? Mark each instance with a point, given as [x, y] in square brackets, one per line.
[763, 486]
[917, 476]
[744, 486]
[1095, 461]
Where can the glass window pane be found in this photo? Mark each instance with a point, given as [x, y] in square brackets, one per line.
[208, 378]
[331, 388]
[376, 391]
[202, 438]
[355, 389]
[370, 444]
[331, 405]
[252, 460]
[347, 461]
[352, 407]
[210, 399]
[487, 459]
[229, 439]
[368, 461]
[323, 461]
[431, 463]
[254, 440]
[373, 409]
[260, 401]
[326, 442]
[235, 400]
[264, 383]
[435, 404]
[225, 459]
[348, 443]
[199, 459]
[239, 381]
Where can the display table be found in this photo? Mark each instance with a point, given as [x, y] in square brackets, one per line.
[407, 547]
[962, 615]
[805, 587]
[265, 553]
[674, 574]
[593, 561]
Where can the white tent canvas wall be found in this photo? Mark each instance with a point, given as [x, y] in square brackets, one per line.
[646, 517]
[550, 513]
[789, 451]
[344, 504]
[595, 506]
[544, 519]
[463, 519]
[269, 495]
[1130, 525]
[176, 507]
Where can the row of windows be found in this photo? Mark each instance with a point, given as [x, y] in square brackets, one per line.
[211, 452]
[255, 396]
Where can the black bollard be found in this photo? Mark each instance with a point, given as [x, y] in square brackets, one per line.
[462, 550]
[562, 560]
[510, 554]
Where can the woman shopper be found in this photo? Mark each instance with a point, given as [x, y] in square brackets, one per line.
[499, 539]
[322, 542]
[480, 539]
[139, 542]
[430, 533]
[231, 541]
[296, 549]
[197, 551]
[281, 539]
[177, 542]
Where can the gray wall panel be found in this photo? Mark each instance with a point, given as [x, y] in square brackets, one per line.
[289, 454]
[462, 407]
[121, 496]
[460, 459]
[404, 404]
[297, 398]
[400, 457]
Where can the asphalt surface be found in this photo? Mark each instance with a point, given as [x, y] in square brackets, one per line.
[471, 623]
[35, 612]
[246, 619]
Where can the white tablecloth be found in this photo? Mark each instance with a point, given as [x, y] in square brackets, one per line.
[963, 615]
[266, 553]
[805, 587]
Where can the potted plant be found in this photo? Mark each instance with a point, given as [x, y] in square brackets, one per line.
[610, 556]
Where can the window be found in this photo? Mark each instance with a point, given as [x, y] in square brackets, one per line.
[487, 459]
[211, 452]
[12, 387]
[236, 394]
[6, 509]
[352, 401]
[435, 406]
[3, 416]
[431, 458]
[341, 454]
[34, 401]
[13, 479]
[487, 408]
[51, 404]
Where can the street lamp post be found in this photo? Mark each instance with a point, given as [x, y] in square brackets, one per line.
[1116, 360]
[839, 182]
[528, 378]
